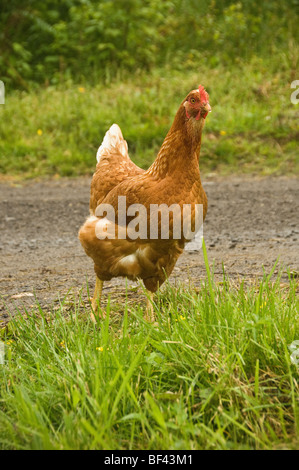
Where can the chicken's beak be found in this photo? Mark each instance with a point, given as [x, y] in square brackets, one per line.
[207, 108]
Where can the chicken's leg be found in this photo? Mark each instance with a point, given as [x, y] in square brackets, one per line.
[96, 300]
[149, 312]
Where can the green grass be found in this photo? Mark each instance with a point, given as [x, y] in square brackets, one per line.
[215, 373]
[253, 127]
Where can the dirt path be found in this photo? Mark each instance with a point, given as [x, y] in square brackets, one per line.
[250, 223]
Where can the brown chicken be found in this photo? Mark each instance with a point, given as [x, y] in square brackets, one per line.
[173, 178]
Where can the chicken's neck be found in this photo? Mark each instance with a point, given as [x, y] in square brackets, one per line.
[180, 150]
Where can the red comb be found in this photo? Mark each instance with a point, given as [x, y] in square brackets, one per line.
[203, 94]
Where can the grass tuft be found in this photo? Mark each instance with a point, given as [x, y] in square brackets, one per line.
[215, 373]
[57, 130]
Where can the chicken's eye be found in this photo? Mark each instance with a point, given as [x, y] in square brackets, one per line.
[192, 100]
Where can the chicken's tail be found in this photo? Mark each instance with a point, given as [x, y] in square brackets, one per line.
[112, 141]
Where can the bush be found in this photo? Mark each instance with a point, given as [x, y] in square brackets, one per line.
[49, 41]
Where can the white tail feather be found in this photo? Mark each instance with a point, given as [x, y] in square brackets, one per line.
[113, 140]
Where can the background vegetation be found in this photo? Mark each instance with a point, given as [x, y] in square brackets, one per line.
[73, 67]
[215, 372]
[48, 41]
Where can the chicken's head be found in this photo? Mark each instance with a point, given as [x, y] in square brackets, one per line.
[197, 104]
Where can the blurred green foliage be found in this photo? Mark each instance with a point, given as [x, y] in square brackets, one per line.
[53, 40]
[56, 130]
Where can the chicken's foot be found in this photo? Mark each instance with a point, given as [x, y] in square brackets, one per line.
[149, 311]
[96, 300]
